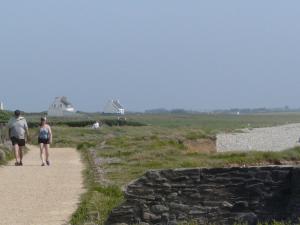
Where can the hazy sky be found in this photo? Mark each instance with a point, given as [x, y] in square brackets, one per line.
[161, 53]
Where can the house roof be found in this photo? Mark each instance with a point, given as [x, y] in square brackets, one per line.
[65, 101]
[117, 104]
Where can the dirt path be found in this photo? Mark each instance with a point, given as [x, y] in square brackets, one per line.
[35, 195]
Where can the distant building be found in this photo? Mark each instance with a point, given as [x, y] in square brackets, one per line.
[1, 106]
[96, 125]
[61, 107]
[114, 107]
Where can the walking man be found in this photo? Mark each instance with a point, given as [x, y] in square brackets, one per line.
[17, 130]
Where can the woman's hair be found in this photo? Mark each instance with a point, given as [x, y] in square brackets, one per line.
[43, 119]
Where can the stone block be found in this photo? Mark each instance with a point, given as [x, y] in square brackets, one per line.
[159, 209]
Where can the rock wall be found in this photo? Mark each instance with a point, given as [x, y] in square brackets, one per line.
[212, 196]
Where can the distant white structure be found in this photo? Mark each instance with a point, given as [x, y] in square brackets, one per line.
[96, 125]
[61, 107]
[114, 107]
[1, 106]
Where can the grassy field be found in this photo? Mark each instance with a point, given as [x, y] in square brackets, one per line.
[215, 122]
[126, 152]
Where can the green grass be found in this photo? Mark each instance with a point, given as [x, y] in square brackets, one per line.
[96, 205]
[99, 200]
[216, 122]
[131, 151]
[5, 155]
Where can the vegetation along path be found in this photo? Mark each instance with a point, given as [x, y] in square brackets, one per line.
[33, 194]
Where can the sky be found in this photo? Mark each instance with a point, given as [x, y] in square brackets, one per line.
[194, 54]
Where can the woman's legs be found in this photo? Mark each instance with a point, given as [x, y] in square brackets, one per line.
[41, 152]
[47, 153]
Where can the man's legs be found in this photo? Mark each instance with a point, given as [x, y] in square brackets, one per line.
[17, 155]
[21, 155]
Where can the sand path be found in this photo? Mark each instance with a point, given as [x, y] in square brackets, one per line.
[35, 195]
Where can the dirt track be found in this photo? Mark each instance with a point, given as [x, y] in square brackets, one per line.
[35, 195]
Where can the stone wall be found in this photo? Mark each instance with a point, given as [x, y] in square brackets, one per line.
[216, 196]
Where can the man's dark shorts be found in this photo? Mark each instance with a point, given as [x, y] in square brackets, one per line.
[17, 141]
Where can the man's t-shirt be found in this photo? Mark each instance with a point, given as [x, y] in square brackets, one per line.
[18, 127]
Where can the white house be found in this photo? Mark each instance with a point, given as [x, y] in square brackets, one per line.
[1, 106]
[61, 107]
[114, 107]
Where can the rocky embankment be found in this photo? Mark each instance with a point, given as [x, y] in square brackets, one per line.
[216, 196]
[261, 139]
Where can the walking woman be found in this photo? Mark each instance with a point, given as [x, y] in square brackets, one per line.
[45, 139]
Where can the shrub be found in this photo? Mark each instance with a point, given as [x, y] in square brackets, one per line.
[86, 123]
[4, 116]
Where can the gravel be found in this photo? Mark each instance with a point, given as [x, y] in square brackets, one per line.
[260, 139]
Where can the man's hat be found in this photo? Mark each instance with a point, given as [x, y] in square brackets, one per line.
[17, 112]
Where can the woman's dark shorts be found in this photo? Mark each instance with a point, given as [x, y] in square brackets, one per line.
[44, 141]
[17, 141]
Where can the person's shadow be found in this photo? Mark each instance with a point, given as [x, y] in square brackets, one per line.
[26, 165]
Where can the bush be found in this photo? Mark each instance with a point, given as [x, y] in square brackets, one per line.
[2, 155]
[5, 154]
[86, 123]
[4, 116]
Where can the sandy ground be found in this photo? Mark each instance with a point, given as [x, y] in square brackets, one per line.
[35, 195]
